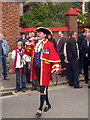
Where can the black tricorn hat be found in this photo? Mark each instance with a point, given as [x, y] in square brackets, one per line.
[44, 30]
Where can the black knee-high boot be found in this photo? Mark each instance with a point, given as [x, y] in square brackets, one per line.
[47, 100]
[42, 98]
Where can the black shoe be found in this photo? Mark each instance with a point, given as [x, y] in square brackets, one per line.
[38, 89]
[17, 91]
[86, 81]
[33, 88]
[24, 90]
[47, 107]
[71, 85]
[39, 112]
[80, 86]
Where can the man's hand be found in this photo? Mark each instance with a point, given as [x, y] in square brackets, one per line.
[56, 71]
[9, 53]
[87, 55]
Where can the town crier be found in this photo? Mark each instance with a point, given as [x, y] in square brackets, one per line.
[43, 59]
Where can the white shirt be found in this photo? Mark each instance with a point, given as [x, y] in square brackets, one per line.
[65, 53]
[38, 45]
[25, 57]
[59, 40]
[77, 50]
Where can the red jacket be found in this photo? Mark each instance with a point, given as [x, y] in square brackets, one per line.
[49, 60]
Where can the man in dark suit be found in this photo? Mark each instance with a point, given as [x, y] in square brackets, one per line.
[89, 56]
[73, 57]
[81, 38]
[85, 49]
[60, 47]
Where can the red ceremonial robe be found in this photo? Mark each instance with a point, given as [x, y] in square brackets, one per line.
[49, 59]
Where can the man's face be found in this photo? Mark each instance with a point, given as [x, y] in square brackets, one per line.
[88, 36]
[86, 32]
[40, 35]
[30, 35]
[74, 35]
[59, 34]
[33, 34]
[23, 36]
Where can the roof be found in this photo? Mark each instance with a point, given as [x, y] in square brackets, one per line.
[53, 29]
[71, 11]
[78, 10]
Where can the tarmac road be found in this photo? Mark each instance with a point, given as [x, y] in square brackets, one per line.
[66, 102]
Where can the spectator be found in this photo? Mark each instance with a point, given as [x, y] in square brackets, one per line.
[30, 34]
[27, 35]
[33, 34]
[73, 57]
[66, 61]
[89, 55]
[51, 39]
[23, 39]
[85, 47]
[19, 60]
[3, 52]
[60, 47]
[80, 40]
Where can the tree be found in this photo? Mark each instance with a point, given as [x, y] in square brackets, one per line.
[45, 14]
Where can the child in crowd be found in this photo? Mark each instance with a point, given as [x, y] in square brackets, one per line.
[19, 61]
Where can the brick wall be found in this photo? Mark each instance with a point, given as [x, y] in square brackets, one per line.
[71, 22]
[10, 23]
[0, 17]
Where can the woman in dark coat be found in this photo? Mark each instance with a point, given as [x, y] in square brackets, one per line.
[51, 39]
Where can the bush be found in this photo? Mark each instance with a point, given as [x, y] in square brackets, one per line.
[45, 15]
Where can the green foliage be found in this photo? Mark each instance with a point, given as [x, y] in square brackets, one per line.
[40, 13]
[25, 21]
[45, 15]
[82, 19]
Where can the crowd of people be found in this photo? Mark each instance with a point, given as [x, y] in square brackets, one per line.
[37, 54]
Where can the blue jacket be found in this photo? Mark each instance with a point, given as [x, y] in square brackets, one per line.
[5, 47]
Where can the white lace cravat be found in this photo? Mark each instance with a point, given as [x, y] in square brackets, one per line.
[38, 46]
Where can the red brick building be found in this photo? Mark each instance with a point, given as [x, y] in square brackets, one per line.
[9, 22]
